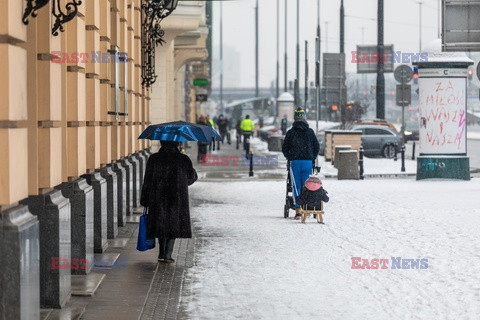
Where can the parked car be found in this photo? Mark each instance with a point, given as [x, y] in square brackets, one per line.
[380, 140]
[411, 132]
[350, 126]
[376, 122]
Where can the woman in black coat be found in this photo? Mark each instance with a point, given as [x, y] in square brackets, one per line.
[165, 193]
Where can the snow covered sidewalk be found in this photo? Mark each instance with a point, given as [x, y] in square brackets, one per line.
[253, 264]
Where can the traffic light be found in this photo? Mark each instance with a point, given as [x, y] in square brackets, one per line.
[334, 108]
[470, 74]
[415, 75]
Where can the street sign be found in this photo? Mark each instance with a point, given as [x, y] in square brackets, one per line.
[334, 90]
[201, 97]
[366, 58]
[200, 82]
[333, 70]
[404, 95]
[460, 25]
[403, 74]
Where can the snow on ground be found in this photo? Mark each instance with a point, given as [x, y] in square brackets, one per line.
[374, 166]
[254, 264]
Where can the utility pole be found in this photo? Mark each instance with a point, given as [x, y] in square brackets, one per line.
[420, 3]
[318, 57]
[297, 90]
[342, 28]
[380, 66]
[364, 76]
[256, 51]
[285, 87]
[439, 19]
[306, 75]
[342, 50]
[221, 56]
[277, 93]
[326, 36]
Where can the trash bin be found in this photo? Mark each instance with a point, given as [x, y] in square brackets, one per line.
[337, 151]
[348, 165]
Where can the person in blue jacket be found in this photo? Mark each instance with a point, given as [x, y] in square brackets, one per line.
[301, 148]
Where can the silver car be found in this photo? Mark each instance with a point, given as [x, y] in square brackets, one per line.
[380, 140]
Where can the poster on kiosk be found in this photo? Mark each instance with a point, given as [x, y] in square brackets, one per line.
[442, 111]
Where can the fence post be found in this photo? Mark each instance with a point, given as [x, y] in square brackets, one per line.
[360, 163]
[250, 173]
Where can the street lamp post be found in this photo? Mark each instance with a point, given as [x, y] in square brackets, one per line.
[256, 51]
[380, 69]
[420, 3]
[317, 66]
[297, 88]
[221, 56]
[286, 62]
[277, 93]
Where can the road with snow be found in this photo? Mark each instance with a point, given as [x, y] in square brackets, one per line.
[253, 264]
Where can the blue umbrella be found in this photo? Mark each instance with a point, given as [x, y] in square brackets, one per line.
[180, 131]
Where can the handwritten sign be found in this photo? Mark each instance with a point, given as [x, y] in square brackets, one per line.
[442, 107]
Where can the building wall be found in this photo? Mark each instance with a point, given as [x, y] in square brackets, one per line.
[56, 120]
[54, 114]
[14, 133]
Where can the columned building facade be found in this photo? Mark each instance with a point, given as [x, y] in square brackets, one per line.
[72, 105]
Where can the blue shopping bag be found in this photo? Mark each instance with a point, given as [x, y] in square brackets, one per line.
[144, 243]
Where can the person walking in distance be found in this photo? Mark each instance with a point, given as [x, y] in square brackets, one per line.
[202, 146]
[210, 123]
[247, 129]
[223, 125]
[283, 124]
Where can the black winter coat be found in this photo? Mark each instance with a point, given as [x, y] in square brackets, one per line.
[300, 143]
[222, 125]
[311, 200]
[165, 193]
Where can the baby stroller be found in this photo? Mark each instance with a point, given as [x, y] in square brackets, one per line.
[289, 194]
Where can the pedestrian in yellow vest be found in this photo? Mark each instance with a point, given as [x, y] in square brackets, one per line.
[247, 130]
[211, 124]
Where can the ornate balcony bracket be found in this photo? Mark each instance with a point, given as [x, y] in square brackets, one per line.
[153, 12]
[61, 17]
[31, 9]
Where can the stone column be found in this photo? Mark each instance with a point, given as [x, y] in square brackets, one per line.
[112, 201]
[142, 164]
[81, 198]
[128, 184]
[53, 212]
[119, 170]
[135, 181]
[99, 186]
[19, 273]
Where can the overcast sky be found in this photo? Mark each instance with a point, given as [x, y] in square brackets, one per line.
[401, 30]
